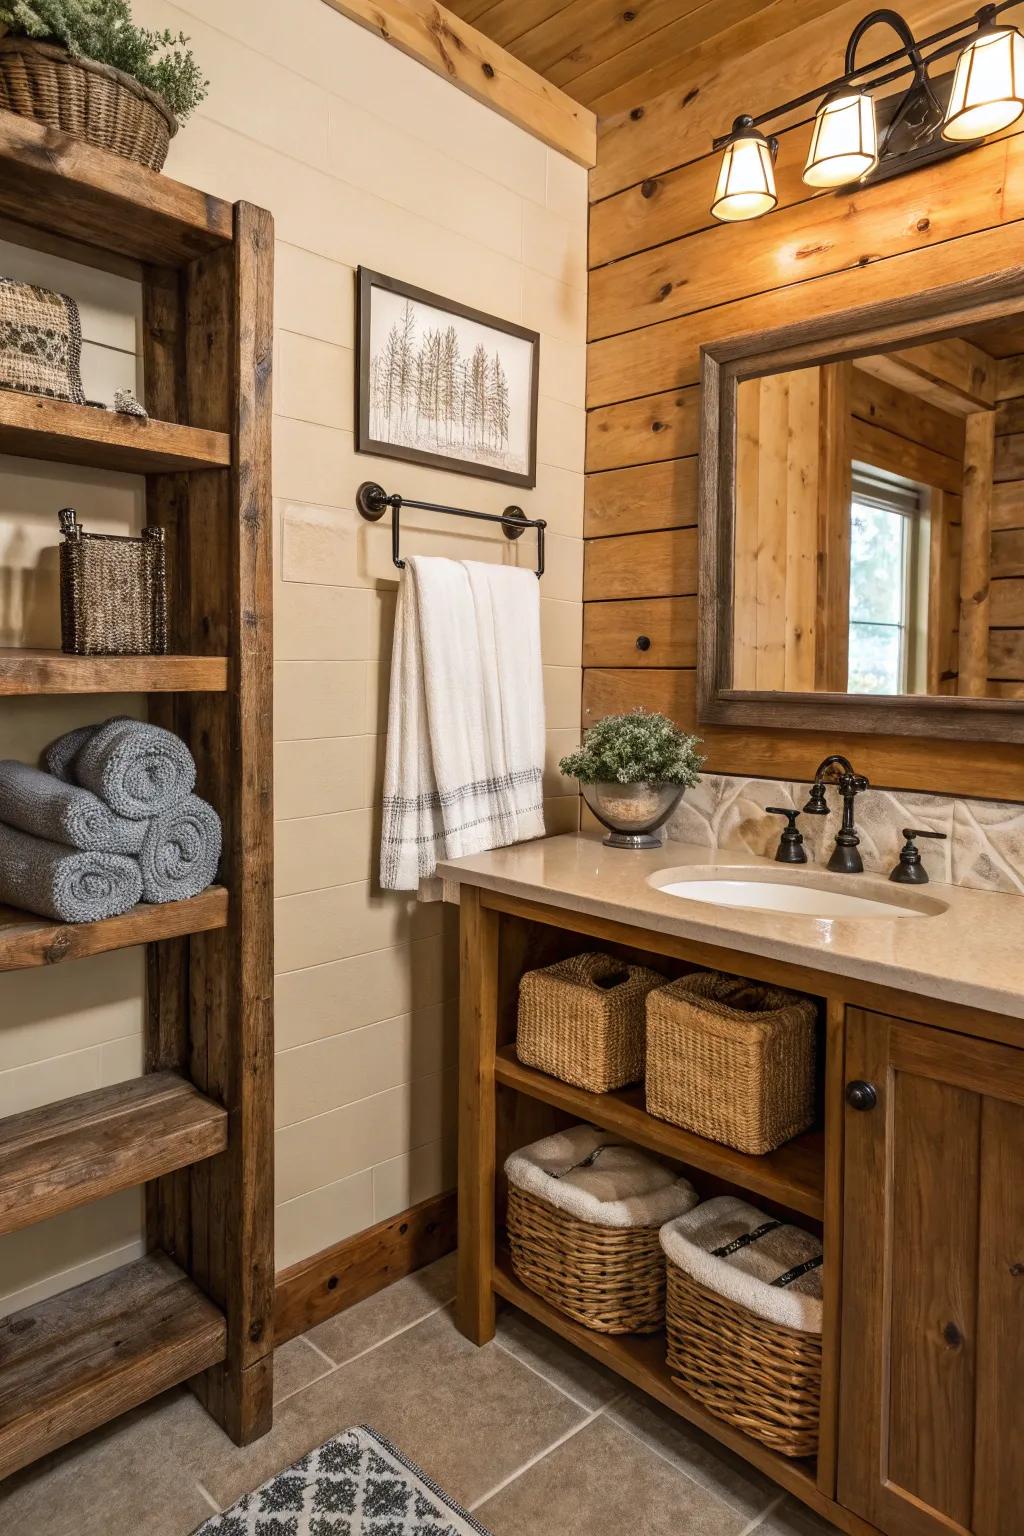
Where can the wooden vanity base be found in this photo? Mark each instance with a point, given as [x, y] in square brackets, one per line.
[923, 1339]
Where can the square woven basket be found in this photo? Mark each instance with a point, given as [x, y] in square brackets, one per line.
[582, 1020]
[731, 1060]
[113, 592]
[760, 1377]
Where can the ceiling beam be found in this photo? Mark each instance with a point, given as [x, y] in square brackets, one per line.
[452, 48]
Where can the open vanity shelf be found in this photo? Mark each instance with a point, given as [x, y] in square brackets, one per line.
[197, 1129]
[933, 1310]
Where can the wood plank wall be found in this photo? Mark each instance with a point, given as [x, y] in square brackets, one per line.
[1006, 614]
[666, 279]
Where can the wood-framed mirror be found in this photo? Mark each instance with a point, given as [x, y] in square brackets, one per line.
[861, 523]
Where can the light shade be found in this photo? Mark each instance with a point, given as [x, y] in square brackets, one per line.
[746, 182]
[988, 86]
[844, 144]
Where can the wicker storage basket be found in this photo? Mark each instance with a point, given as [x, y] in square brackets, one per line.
[113, 592]
[93, 101]
[731, 1060]
[607, 1273]
[582, 1020]
[760, 1376]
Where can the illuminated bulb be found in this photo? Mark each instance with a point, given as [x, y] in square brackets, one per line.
[844, 144]
[988, 86]
[746, 182]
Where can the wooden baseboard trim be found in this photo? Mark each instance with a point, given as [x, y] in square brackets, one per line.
[316, 1288]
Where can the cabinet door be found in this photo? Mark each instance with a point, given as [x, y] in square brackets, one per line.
[932, 1358]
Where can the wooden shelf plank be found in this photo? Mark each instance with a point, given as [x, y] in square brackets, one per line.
[794, 1176]
[58, 183]
[39, 428]
[35, 672]
[27, 940]
[640, 1358]
[80, 1149]
[84, 1357]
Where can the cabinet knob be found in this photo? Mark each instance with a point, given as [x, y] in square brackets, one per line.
[643, 642]
[861, 1095]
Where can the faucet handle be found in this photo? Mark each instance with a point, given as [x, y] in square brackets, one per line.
[791, 843]
[910, 870]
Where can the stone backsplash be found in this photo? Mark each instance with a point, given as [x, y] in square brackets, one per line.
[984, 845]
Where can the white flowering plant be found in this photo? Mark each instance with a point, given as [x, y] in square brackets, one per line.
[636, 748]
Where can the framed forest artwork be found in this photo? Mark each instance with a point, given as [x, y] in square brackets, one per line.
[441, 384]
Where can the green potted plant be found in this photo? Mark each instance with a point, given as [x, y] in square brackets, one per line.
[633, 770]
[84, 67]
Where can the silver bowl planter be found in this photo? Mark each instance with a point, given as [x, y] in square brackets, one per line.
[633, 813]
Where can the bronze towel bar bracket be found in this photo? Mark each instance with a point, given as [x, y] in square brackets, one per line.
[372, 501]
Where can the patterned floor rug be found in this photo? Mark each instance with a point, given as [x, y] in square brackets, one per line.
[357, 1484]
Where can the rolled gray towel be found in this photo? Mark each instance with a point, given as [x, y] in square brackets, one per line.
[140, 770]
[59, 757]
[65, 883]
[181, 851]
[47, 807]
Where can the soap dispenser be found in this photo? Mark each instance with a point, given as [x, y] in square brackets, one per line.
[791, 843]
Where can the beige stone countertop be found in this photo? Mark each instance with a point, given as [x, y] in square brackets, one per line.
[966, 946]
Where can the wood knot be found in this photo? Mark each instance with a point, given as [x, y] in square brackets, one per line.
[636, 114]
[952, 1335]
[629, 15]
[57, 948]
[21, 1325]
[488, 70]
[664, 290]
[256, 1331]
[691, 96]
[332, 1283]
[648, 187]
[658, 426]
[924, 224]
[1016, 1270]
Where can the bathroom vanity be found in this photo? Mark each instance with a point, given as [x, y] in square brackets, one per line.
[912, 1173]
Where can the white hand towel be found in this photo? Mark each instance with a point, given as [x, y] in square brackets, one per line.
[465, 751]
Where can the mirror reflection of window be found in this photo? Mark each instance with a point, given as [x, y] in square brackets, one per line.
[888, 584]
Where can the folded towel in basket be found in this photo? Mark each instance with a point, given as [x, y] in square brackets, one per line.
[138, 769]
[769, 1266]
[181, 851]
[68, 884]
[36, 802]
[592, 1175]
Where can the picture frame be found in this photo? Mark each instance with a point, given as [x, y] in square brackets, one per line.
[441, 384]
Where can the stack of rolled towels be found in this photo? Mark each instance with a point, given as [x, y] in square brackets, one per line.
[108, 820]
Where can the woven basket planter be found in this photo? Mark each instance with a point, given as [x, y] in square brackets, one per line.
[731, 1060]
[92, 101]
[609, 1279]
[582, 1020]
[759, 1377]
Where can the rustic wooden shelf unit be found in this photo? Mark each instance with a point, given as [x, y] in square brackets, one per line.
[197, 1129]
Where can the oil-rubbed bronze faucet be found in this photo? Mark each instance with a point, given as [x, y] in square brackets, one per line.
[846, 859]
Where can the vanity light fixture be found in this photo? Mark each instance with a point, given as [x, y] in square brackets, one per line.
[746, 182]
[932, 118]
[988, 86]
[844, 143]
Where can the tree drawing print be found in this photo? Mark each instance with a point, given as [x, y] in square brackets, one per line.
[445, 385]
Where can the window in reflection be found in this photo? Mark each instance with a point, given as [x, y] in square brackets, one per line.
[888, 586]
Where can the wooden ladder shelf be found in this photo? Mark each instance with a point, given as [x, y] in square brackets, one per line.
[197, 1128]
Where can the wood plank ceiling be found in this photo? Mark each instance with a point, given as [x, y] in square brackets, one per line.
[603, 52]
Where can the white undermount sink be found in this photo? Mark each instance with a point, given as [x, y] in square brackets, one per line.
[802, 895]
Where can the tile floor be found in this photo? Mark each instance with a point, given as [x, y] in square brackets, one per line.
[527, 1433]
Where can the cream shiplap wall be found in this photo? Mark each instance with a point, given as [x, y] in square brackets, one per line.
[364, 157]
